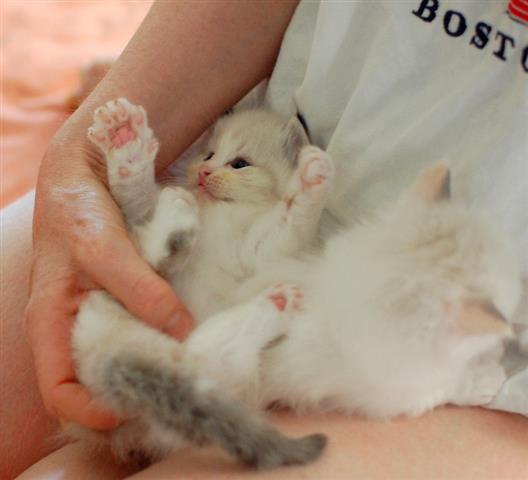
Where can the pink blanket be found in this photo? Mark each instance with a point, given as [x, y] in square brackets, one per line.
[45, 43]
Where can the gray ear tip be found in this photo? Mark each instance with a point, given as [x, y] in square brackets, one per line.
[446, 187]
[303, 123]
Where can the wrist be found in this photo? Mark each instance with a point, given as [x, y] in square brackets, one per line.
[71, 156]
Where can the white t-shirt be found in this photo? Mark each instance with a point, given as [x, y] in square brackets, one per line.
[388, 86]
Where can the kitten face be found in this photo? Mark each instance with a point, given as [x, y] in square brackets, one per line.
[250, 157]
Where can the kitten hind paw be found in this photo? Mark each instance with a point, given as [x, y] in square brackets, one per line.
[286, 298]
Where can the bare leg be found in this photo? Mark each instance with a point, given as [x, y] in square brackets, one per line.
[77, 462]
[25, 426]
[448, 443]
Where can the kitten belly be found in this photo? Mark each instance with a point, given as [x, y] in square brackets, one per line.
[204, 289]
[322, 380]
[349, 366]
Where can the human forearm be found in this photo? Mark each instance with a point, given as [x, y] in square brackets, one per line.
[188, 62]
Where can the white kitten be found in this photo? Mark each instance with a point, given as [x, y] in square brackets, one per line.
[371, 324]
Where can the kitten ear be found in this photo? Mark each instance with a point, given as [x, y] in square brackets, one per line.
[295, 138]
[482, 317]
[433, 184]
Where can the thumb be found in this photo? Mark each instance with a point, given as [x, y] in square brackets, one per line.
[126, 276]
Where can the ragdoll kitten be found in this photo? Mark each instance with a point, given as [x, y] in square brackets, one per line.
[367, 323]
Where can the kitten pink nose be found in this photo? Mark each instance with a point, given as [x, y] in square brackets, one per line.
[203, 172]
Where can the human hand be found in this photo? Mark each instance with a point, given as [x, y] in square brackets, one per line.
[80, 243]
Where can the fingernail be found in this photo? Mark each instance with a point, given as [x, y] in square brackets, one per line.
[178, 325]
[172, 322]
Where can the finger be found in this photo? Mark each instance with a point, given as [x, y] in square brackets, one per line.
[49, 330]
[123, 273]
[72, 401]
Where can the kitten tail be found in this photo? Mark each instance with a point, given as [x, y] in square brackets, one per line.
[193, 408]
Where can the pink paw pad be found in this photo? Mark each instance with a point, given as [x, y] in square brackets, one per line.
[106, 118]
[122, 135]
[286, 296]
[313, 174]
[118, 123]
[309, 182]
[279, 301]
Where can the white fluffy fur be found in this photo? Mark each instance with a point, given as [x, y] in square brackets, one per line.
[377, 330]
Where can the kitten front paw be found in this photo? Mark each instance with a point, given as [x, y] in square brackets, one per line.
[178, 210]
[312, 180]
[315, 169]
[121, 131]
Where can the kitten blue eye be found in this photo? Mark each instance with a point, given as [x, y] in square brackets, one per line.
[209, 156]
[239, 162]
